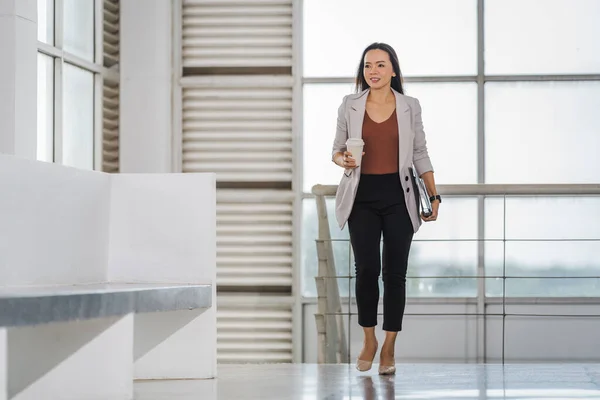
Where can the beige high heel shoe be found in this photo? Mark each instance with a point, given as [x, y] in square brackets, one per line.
[362, 365]
[387, 369]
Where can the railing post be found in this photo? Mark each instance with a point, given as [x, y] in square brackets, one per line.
[329, 320]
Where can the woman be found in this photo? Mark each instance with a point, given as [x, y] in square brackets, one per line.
[378, 196]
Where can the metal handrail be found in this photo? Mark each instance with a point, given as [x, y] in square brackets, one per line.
[495, 189]
[329, 319]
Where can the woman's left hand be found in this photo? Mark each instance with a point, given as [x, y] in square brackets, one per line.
[435, 205]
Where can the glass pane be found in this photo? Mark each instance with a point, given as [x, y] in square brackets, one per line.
[431, 37]
[449, 130]
[549, 131]
[544, 36]
[341, 248]
[441, 255]
[549, 251]
[321, 103]
[494, 218]
[584, 286]
[45, 23]
[78, 118]
[79, 28]
[543, 218]
[545, 258]
[442, 269]
[445, 252]
[45, 108]
[457, 221]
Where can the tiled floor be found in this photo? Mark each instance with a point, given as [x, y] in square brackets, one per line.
[417, 381]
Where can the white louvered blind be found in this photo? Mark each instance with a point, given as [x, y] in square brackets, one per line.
[110, 116]
[227, 33]
[254, 329]
[237, 92]
[239, 127]
[111, 32]
[254, 238]
[110, 98]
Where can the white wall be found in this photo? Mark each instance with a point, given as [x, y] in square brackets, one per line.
[146, 81]
[18, 77]
[453, 339]
[163, 228]
[545, 339]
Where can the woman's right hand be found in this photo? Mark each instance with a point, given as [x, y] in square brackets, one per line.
[348, 161]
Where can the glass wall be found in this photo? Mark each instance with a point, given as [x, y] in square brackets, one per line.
[510, 90]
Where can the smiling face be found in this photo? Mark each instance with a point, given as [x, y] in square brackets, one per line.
[378, 69]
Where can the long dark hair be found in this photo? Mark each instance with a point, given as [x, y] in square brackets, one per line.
[361, 82]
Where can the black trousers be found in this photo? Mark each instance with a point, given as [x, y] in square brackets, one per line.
[379, 208]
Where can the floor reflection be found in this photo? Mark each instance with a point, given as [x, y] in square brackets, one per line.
[418, 381]
[385, 390]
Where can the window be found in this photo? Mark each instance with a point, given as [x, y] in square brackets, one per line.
[545, 37]
[78, 36]
[423, 33]
[446, 127]
[447, 250]
[71, 70]
[543, 246]
[517, 110]
[46, 21]
[78, 117]
[561, 119]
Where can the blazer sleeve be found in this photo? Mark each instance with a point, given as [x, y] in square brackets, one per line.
[341, 133]
[421, 159]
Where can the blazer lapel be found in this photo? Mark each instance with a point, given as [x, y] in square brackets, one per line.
[357, 114]
[405, 132]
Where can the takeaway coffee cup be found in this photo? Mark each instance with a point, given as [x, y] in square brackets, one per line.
[355, 146]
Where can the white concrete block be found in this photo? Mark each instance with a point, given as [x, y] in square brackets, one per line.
[60, 212]
[163, 228]
[3, 361]
[72, 361]
[90, 227]
[176, 345]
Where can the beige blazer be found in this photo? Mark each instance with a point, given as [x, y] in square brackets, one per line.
[412, 151]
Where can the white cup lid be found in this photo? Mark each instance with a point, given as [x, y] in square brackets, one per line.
[354, 142]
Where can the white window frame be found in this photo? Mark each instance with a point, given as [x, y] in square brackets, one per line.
[60, 57]
[480, 79]
[482, 300]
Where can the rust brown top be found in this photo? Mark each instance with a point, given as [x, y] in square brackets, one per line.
[381, 145]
